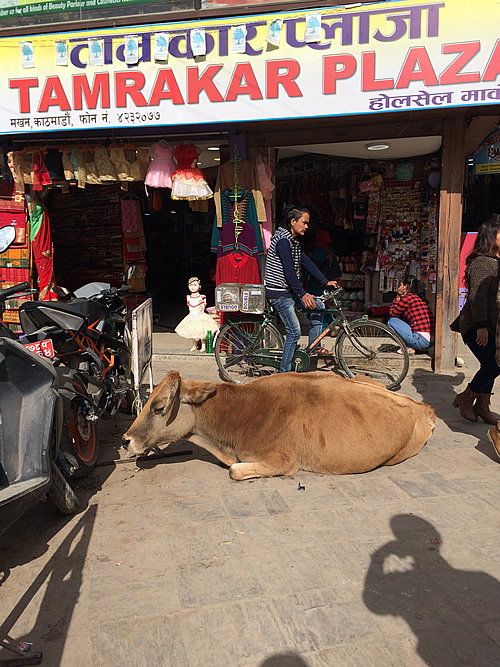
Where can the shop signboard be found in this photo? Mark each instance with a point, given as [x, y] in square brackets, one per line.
[375, 58]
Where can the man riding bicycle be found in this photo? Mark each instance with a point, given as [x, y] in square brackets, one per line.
[284, 290]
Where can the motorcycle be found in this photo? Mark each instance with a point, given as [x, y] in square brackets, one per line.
[90, 336]
[32, 464]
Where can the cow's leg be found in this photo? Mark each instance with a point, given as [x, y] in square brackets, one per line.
[227, 459]
[272, 466]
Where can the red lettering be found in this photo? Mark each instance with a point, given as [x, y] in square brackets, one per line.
[493, 67]
[467, 51]
[172, 93]
[275, 76]
[243, 82]
[196, 84]
[53, 85]
[369, 82]
[24, 85]
[417, 57]
[100, 87]
[331, 71]
[129, 83]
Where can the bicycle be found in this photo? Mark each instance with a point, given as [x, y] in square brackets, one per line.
[250, 346]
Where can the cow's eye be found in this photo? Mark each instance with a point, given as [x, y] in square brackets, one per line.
[158, 411]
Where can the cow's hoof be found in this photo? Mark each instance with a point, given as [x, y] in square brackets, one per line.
[237, 471]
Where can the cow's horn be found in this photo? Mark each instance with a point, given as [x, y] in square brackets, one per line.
[170, 397]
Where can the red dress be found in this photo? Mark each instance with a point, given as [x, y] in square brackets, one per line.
[188, 181]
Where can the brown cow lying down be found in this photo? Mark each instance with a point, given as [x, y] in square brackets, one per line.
[280, 423]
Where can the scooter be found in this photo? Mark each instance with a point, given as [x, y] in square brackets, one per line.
[31, 416]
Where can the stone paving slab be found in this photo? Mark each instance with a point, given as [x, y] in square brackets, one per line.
[171, 563]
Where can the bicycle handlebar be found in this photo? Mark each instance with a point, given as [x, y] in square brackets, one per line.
[330, 295]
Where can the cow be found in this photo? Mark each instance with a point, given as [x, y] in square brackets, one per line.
[281, 423]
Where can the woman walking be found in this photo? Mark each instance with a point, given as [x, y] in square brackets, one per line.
[478, 321]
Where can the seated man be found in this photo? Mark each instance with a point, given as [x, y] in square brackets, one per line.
[284, 290]
[411, 317]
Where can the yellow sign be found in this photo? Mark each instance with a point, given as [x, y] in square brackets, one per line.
[382, 57]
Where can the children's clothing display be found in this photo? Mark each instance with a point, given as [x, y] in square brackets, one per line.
[161, 167]
[246, 176]
[196, 324]
[237, 268]
[246, 211]
[188, 181]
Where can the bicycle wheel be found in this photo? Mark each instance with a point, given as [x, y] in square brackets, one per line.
[236, 344]
[373, 349]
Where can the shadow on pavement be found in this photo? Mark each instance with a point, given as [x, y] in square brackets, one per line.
[284, 660]
[59, 582]
[449, 611]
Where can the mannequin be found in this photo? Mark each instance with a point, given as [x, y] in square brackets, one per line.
[196, 324]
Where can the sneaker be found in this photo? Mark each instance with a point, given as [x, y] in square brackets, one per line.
[410, 350]
[322, 351]
[494, 438]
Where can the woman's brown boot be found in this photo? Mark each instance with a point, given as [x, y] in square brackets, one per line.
[465, 401]
[481, 409]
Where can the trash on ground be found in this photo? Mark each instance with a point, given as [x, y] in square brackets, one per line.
[300, 487]
[24, 646]
[221, 543]
[435, 540]
[120, 563]
[240, 532]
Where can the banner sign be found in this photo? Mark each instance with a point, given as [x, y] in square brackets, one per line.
[381, 57]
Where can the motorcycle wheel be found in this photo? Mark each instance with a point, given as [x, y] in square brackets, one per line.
[79, 436]
[61, 494]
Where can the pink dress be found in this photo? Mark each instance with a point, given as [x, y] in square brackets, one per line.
[161, 167]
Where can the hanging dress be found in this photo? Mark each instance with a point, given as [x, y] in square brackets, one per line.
[161, 167]
[196, 324]
[188, 182]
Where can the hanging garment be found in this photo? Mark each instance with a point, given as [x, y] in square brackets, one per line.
[237, 268]
[196, 324]
[199, 205]
[188, 181]
[244, 243]
[139, 168]
[82, 172]
[15, 165]
[91, 174]
[69, 170]
[40, 176]
[74, 161]
[267, 227]
[161, 167]
[247, 179]
[54, 164]
[117, 157]
[247, 212]
[264, 173]
[105, 167]
[42, 248]
[27, 167]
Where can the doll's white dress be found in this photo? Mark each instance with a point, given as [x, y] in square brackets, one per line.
[196, 324]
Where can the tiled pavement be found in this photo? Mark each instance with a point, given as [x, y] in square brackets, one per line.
[175, 564]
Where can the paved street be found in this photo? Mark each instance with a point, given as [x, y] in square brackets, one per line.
[173, 564]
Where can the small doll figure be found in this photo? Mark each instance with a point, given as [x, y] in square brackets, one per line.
[196, 324]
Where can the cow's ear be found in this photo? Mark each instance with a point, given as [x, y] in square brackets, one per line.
[163, 401]
[196, 392]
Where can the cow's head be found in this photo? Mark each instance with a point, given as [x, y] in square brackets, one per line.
[168, 414]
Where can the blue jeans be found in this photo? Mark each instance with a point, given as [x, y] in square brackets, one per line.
[484, 379]
[285, 307]
[410, 338]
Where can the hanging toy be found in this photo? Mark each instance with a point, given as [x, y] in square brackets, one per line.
[197, 323]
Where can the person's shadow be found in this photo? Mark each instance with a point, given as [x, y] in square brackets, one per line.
[453, 613]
